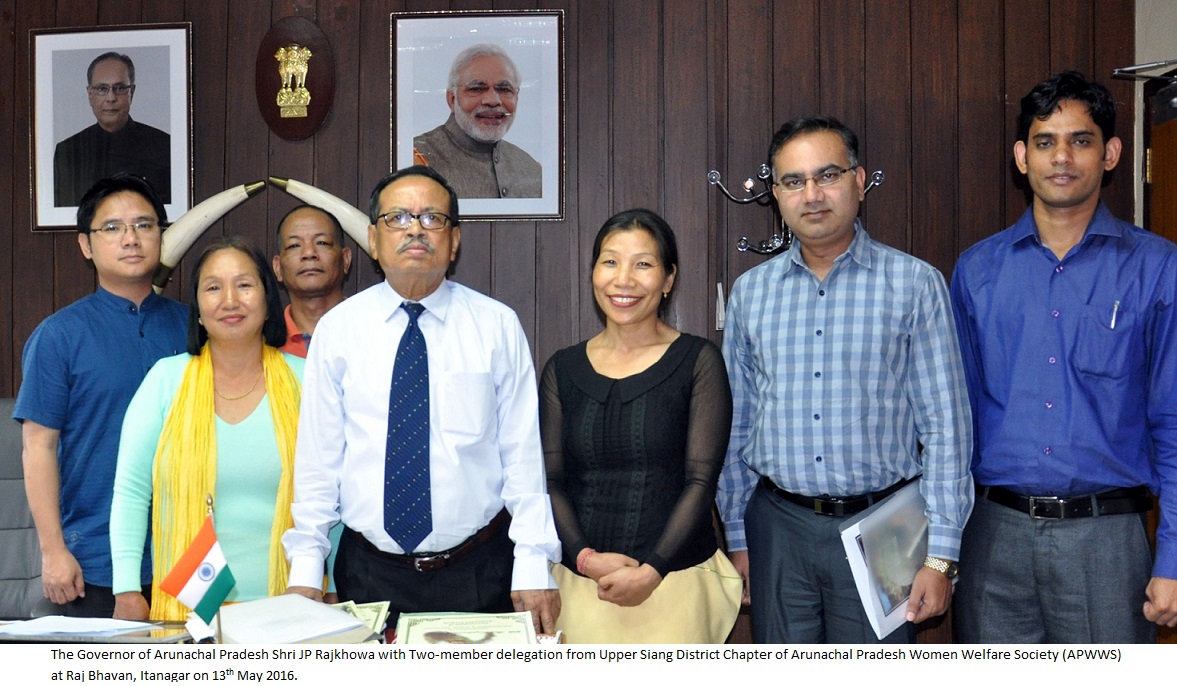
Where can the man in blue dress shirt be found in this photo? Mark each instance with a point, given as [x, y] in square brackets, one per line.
[81, 366]
[843, 361]
[1068, 335]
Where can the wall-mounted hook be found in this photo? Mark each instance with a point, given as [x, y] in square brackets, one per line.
[777, 242]
[761, 198]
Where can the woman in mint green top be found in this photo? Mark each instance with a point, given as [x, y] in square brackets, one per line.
[218, 421]
[248, 470]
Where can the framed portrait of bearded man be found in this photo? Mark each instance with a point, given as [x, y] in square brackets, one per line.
[479, 97]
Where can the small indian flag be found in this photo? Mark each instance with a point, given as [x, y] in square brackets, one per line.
[201, 579]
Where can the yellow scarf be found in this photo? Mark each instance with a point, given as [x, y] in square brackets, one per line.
[185, 471]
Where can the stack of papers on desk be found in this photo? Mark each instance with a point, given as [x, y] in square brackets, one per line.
[289, 619]
[77, 626]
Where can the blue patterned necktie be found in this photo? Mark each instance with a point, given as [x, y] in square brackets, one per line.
[408, 516]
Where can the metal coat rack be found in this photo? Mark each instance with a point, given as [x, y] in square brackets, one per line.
[778, 241]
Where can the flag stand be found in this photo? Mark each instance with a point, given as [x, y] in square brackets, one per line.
[200, 579]
[208, 499]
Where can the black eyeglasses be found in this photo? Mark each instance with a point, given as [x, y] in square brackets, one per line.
[114, 230]
[399, 220]
[794, 184]
[102, 90]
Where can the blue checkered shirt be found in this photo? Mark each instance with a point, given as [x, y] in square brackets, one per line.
[836, 385]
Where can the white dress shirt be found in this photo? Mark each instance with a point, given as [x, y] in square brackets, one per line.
[483, 430]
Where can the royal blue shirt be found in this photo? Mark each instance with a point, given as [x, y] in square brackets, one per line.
[1072, 363]
[81, 367]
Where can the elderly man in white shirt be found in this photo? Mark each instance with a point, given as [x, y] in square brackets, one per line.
[458, 463]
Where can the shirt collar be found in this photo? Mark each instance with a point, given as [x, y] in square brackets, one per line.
[860, 251]
[436, 303]
[120, 303]
[1102, 224]
[292, 329]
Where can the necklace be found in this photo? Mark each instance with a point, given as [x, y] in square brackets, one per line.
[239, 397]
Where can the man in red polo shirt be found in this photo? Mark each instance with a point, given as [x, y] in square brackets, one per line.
[312, 262]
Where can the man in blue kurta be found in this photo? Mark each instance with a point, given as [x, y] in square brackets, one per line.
[80, 368]
[1069, 340]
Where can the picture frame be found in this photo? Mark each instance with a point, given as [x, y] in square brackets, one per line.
[423, 49]
[78, 135]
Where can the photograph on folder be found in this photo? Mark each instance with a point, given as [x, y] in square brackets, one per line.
[885, 546]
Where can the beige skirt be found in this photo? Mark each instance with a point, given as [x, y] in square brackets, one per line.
[695, 605]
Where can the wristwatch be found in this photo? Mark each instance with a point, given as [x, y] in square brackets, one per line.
[948, 568]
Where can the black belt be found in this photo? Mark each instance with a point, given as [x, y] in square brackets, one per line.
[1114, 502]
[431, 562]
[834, 507]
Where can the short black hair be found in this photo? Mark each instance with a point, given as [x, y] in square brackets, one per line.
[334, 221]
[122, 182]
[813, 124]
[111, 56]
[415, 170]
[1044, 100]
[652, 223]
[273, 329]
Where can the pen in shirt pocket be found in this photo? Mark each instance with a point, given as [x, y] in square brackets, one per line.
[1115, 311]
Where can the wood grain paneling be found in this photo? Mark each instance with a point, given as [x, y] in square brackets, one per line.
[8, 185]
[982, 165]
[685, 75]
[892, 127]
[747, 116]
[933, 133]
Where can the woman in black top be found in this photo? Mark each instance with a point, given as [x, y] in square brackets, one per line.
[635, 423]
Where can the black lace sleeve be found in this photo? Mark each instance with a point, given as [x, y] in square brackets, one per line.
[709, 426]
[551, 422]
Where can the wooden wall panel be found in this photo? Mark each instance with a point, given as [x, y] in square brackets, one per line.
[34, 280]
[8, 187]
[1114, 46]
[248, 146]
[747, 117]
[889, 133]
[1027, 61]
[638, 96]
[594, 155]
[557, 248]
[337, 171]
[73, 277]
[513, 265]
[933, 132]
[685, 198]
[982, 161]
[373, 119]
[1071, 35]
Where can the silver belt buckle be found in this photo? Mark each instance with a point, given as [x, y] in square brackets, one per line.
[1056, 513]
[417, 561]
